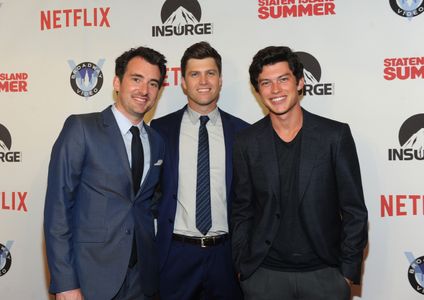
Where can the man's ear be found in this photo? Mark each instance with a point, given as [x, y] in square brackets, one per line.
[116, 83]
[301, 84]
[183, 84]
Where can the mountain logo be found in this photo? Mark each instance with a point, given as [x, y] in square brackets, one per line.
[411, 140]
[181, 12]
[411, 133]
[180, 18]
[407, 8]
[86, 78]
[5, 139]
[312, 76]
[6, 155]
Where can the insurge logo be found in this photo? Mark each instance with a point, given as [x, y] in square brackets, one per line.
[5, 257]
[6, 145]
[407, 8]
[181, 17]
[411, 140]
[416, 272]
[312, 75]
[86, 78]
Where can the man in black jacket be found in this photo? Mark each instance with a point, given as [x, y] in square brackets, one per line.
[299, 218]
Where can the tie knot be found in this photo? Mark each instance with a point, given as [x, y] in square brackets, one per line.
[203, 120]
[134, 130]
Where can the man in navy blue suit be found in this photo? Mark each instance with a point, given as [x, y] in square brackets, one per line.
[193, 238]
[98, 219]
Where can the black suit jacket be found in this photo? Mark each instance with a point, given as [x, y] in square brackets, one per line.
[332, 207]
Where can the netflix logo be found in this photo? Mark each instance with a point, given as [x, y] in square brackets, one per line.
[77, 17]
[14, 201]
[172, 77]
[401, 205]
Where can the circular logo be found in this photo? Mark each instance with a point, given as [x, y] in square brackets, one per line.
[311, 67]
[411, 133]
[407, 8]
[416, 274]
[5, 260]
[86, 79]
[5, 139]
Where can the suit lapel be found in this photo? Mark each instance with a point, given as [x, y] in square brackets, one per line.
[228, 142]
[174, 142]
[154, 154]
[116, 140]
[308, 153]
[268, 155]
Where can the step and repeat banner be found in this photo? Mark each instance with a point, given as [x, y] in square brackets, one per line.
[365, 66]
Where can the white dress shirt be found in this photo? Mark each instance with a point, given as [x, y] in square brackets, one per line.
[185, 218]
[124, 126]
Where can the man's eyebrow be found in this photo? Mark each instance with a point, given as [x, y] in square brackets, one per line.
[136, 75]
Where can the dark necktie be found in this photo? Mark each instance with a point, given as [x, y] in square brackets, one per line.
[137, 166]
[137, 158]
[203, 193]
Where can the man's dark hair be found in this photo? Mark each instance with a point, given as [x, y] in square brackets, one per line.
[199, 51]
[271, 55]
[151, 56]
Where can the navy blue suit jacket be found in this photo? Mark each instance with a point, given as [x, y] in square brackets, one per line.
[169, 127]
[91, 211]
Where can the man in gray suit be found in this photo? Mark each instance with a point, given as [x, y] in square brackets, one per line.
[98, 220]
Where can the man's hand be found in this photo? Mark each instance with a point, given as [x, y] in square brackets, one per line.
[70, 295]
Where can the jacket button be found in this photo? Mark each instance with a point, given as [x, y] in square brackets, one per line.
[127, 231]
[170, 221]
[277, 215]
[267, 242]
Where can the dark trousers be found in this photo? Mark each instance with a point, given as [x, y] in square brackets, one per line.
[323, 284]
[193, 273]
[131, 287]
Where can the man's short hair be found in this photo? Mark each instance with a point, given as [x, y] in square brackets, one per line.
[151, 56]
[271, 55]
[199, 51]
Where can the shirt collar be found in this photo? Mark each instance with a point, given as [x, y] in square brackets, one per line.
[124, 124]
[194, 115]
